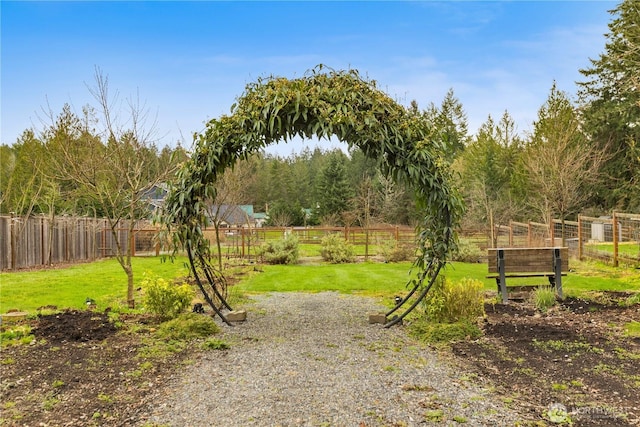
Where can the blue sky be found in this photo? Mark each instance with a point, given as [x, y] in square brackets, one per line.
[188, 61]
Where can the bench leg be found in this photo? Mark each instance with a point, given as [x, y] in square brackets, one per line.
[502, 280]
[557, 269]
[502, 290]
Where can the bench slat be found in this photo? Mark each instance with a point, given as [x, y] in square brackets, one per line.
[527, 260]
[516, 275]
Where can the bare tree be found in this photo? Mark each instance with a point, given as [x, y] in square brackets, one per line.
[230, 192]
[559, 162]
[114, 167]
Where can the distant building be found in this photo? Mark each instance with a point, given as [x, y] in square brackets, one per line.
[260, 218]
[155, 196]
[236, 216]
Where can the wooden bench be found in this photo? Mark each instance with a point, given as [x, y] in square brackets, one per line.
[552, 263]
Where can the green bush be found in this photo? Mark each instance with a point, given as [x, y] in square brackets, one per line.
[394, 252]
[188, 326]
[468, 252]
[544, 297]
[284, 251]
[164, 299]
[450, 302]
[336, 250]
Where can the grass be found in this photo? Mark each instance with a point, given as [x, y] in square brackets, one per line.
[585, 277]
[632, 329]
[103, 281]
[366, 278]
[390, 279]
[628, 249]
[544, 297]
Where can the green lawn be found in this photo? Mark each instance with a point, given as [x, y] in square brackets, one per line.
[390, 279]
[626, 249]
[103, 281]
[369, 278]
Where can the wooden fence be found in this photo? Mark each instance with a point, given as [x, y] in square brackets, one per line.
[243, 242]
[614, 239]
[36, 241]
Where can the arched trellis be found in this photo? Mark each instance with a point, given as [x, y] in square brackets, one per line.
[322, 104]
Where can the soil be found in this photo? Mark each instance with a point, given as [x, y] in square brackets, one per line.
[82, 371]
[575, 357]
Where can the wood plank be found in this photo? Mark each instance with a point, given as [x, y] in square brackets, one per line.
[523, 260]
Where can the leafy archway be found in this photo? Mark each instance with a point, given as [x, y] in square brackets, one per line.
[322, 104]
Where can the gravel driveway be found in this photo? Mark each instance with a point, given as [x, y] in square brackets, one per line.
[313, 360]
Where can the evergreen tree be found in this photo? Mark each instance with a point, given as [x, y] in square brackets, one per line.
[334, 189]
[611, 98]
[486, 168]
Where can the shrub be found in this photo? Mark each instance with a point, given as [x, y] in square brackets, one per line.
[438, 333]
[164, 299]
[394, 252]
[468, 252]
[336, 250]
[188, 326]
[450, 302]
[284, 251]
[544, 297]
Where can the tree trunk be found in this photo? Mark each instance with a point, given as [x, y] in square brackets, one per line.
[131, 302]
[216, 225]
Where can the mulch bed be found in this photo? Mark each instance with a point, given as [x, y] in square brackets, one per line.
[576, 356]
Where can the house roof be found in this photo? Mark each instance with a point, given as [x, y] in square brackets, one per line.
[233, 214]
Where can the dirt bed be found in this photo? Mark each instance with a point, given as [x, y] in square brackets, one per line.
[575, 357]
[82, 372]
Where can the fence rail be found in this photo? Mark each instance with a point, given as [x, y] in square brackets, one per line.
[614, 239]
[38, 241]
[242, 242]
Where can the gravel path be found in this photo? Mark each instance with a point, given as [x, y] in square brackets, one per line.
[313, 360]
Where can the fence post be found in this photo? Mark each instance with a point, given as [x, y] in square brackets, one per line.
[103, 239]
[42, 240]
[614, 229]
[66, 239]
[552, 232]
[579, 237]
[242, 234]
[510, 233]
[12, 242]
[132, 244]
[529, 234]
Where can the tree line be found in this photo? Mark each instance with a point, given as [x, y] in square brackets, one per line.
[582, 155]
